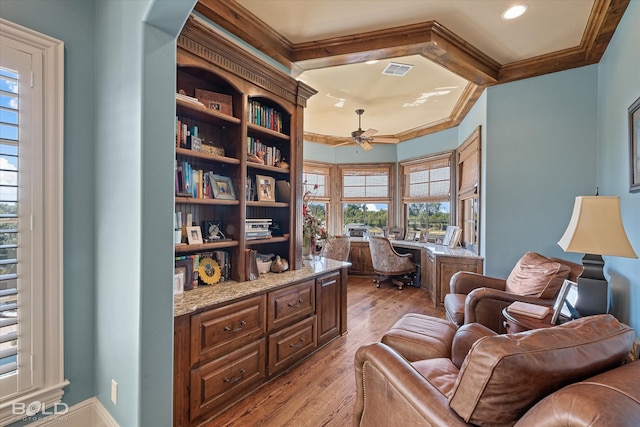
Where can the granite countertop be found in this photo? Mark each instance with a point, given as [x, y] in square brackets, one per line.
[434, 248]
[222, 292]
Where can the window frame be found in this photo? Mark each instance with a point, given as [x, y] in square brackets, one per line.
[328, 171]
[388, 168]
[406, 199]
[46, 135]
[469, 195]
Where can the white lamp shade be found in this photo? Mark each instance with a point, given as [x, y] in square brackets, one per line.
[596, 228]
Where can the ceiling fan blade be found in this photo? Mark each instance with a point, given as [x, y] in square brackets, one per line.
[366, 146]
[343, 143]
[383, 140]
[367, 133]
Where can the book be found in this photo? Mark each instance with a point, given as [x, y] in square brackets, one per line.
[531, 310]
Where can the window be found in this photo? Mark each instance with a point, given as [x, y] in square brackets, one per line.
[31, 106]
[366, 196]
[469, 190]
[319, 174]
[426, 195]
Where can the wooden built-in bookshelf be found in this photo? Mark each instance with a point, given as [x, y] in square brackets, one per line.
[257, 96]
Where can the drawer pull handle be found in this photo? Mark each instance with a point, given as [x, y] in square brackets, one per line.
[233, 331]
[331, 282]
[296, 305]
[297, 345]
[235, 379]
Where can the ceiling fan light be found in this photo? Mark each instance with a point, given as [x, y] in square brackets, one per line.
[514, 11]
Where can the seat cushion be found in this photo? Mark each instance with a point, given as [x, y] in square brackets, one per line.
[418, 336]
[440, 372]
[537, 275]
[504, 375]
[454, 308]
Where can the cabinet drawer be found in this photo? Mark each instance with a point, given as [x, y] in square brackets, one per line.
[290, 304]
[291, 344]
[223, 329]
[221, 381]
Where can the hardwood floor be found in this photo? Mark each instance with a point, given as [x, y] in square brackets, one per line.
[321, 390]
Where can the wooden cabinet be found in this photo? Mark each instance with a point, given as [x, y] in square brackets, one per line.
[231, 104]
[442, 266]
[226, 352]
[291, 303]
[328, 293]
[360, 258]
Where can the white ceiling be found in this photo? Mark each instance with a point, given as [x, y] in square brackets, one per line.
[429, 92]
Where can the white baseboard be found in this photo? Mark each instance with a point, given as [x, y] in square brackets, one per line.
[89, 413]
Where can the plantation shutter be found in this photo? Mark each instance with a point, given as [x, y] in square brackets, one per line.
[427, 180]
[9, 103]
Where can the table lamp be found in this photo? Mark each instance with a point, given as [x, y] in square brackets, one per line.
[595, 229]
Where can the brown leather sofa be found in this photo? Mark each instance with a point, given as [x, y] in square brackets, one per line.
[535, 279]
[567, 375]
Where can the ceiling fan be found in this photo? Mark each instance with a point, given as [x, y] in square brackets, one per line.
[365, 137]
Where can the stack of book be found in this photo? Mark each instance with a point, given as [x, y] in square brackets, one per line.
[257, 229]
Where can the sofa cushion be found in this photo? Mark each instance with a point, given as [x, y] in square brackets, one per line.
[504, 375]
[538, 276]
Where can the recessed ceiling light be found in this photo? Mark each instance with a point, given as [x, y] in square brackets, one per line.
[373, 61]
[514, 11]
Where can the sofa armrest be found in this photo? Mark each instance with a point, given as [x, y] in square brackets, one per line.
[395, 389]
[608, 399]
[465, 337]
[485, 306]
[464, 282]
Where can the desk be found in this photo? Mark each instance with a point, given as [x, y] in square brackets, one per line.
[437, 263]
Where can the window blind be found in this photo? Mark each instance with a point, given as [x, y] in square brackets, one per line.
[317, 175]
[428, 180]
[367, 184]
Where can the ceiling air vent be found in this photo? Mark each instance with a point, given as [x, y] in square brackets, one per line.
[395, 69]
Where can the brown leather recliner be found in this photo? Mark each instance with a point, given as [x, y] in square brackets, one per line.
[535, 279]
[570, 375]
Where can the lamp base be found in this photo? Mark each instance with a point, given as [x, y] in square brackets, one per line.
[593, 288]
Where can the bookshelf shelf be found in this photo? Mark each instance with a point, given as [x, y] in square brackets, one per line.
[197, 201]
[266, 241]
[185, 249]
[205, 156]
[268, 204]
[202, 113]
[268, 168]
[260, 131]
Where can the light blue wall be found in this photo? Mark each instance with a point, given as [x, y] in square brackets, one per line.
[445, 140]
[73, 22]
[540, 151]
[618, 88]
[135, 116]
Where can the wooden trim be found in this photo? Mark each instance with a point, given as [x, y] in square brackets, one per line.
[429, 39]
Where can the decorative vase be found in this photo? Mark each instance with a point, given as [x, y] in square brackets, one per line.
[307, 249]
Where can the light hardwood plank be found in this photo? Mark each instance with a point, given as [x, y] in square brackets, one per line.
[320, 391]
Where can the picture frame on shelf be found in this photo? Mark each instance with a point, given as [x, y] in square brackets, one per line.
[448, 235]
[395, 233]
[266, 188]
[194, 235]
[455, 237]
[222, 187]
[634, 147]
[411, 236]
[185, 267]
